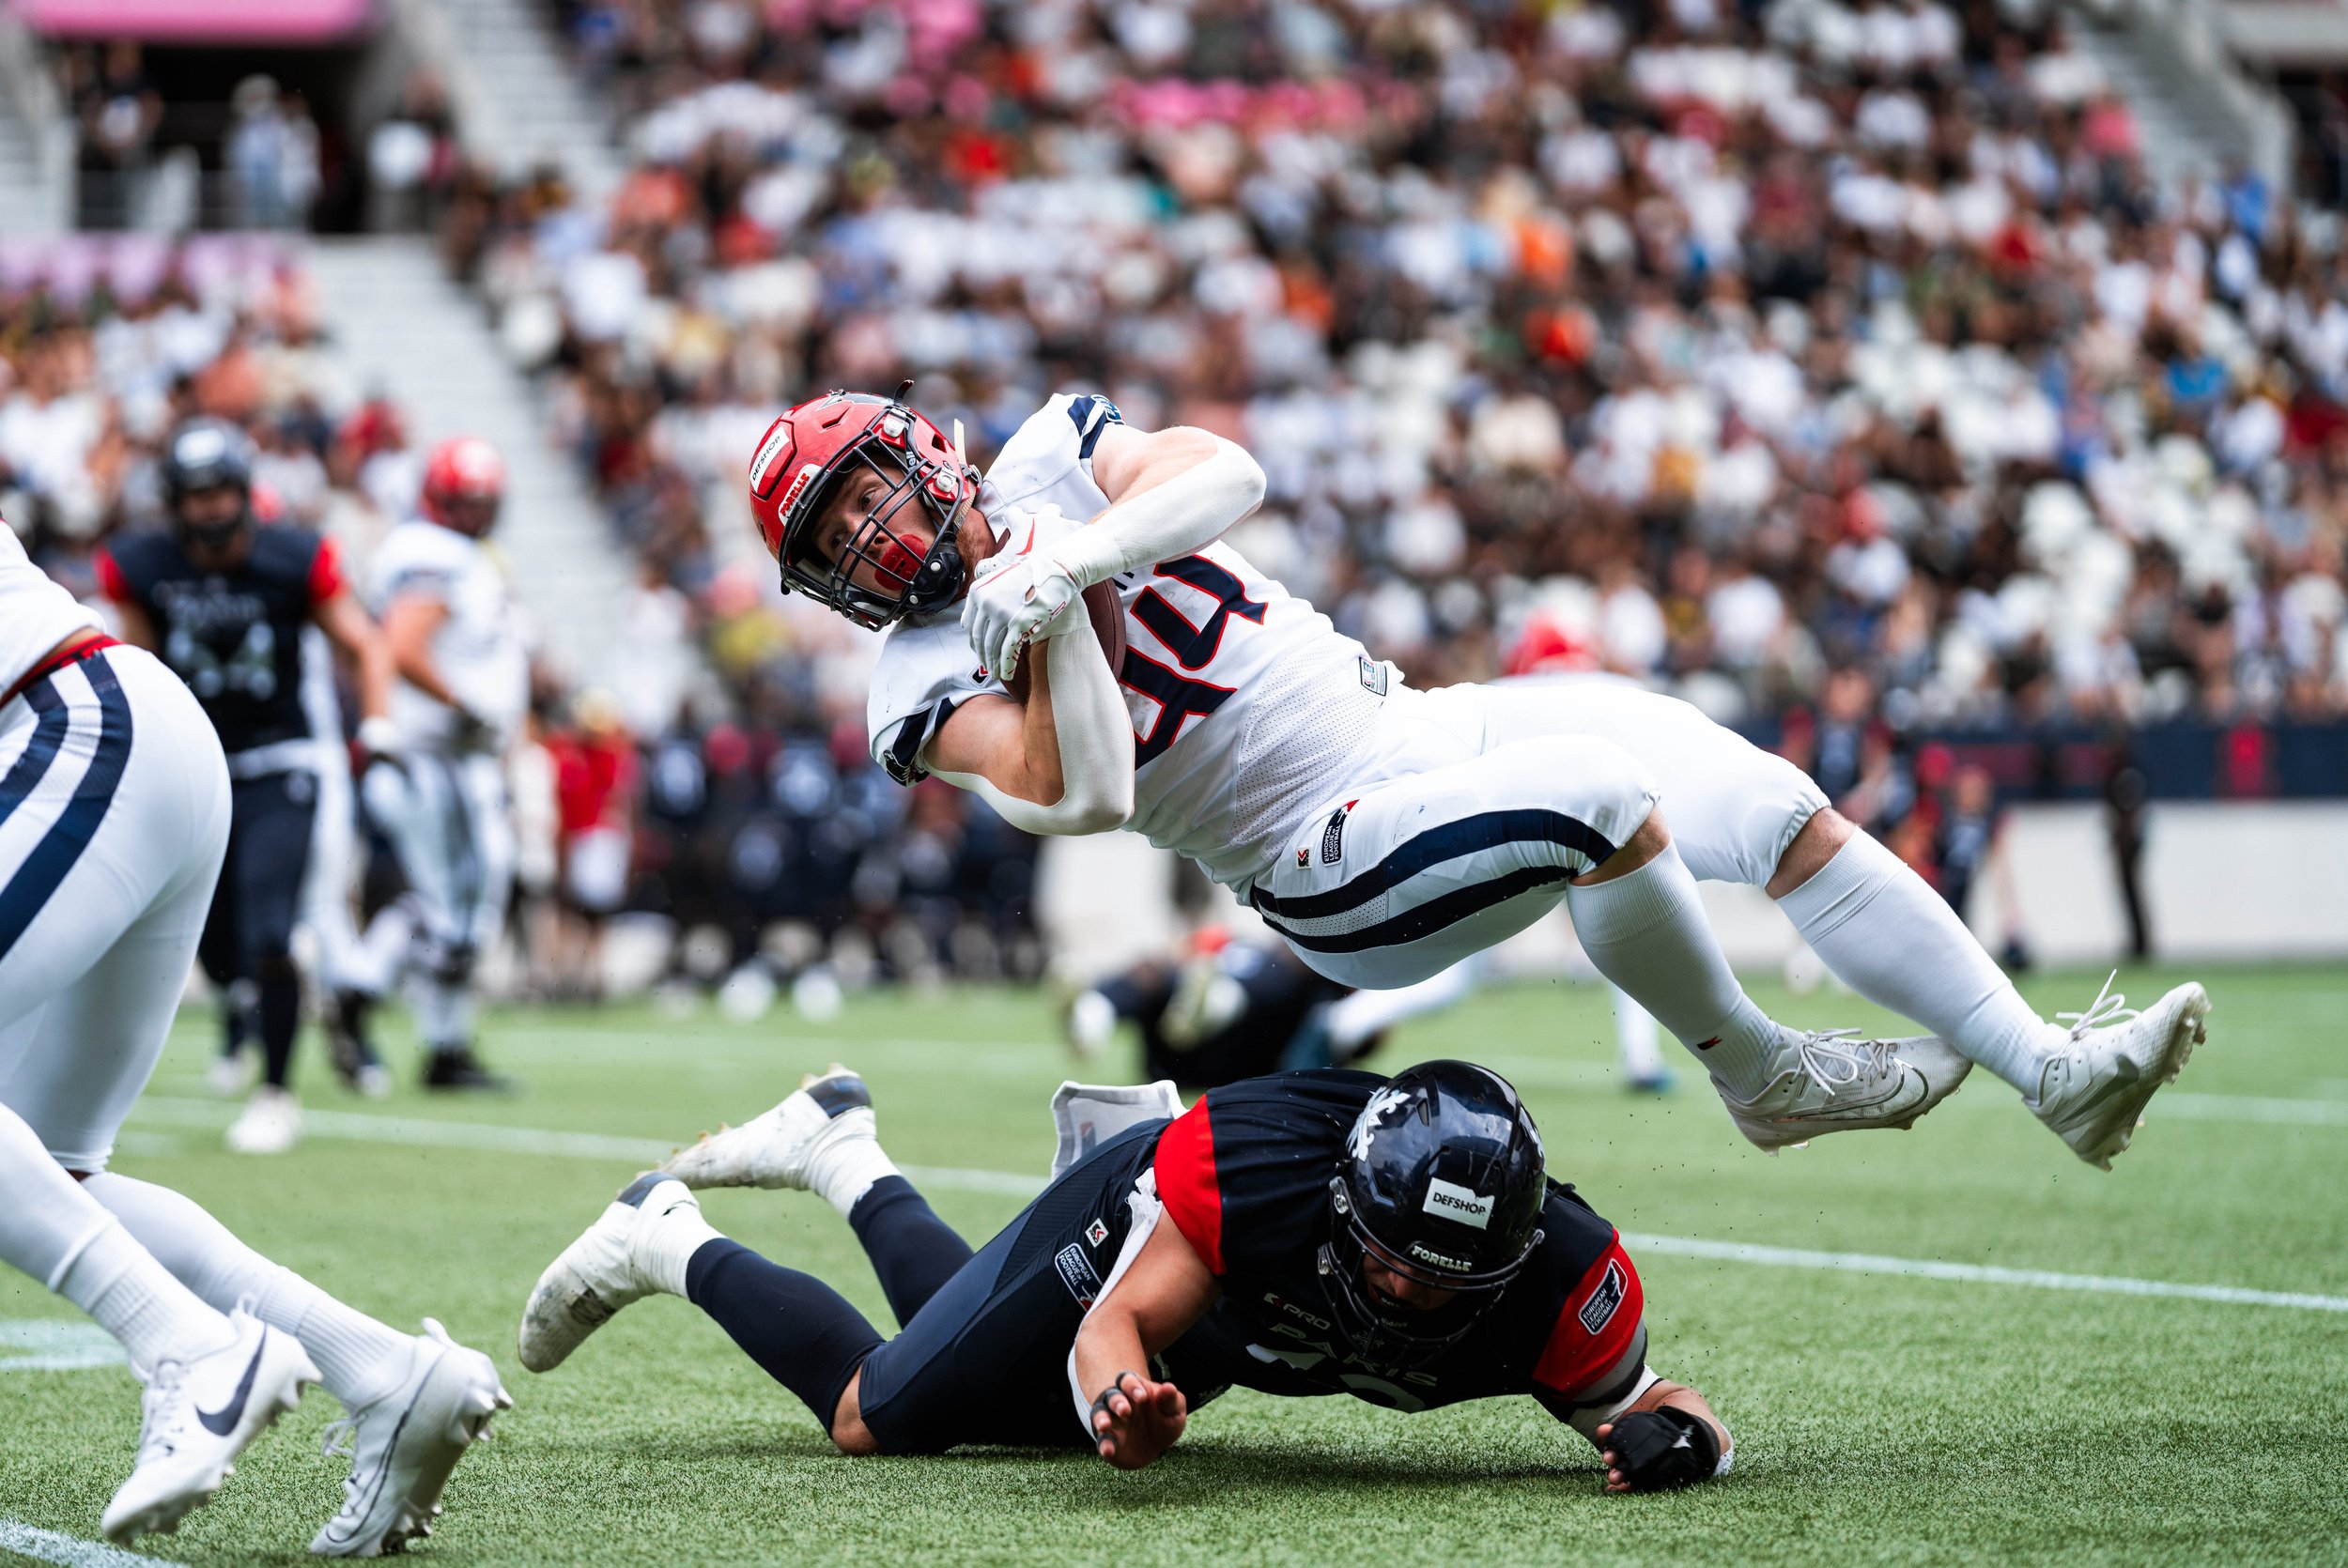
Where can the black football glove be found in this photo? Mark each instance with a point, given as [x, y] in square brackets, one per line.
[1668, 1447]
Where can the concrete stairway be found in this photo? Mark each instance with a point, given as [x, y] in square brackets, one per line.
[519, 100]
[36, 193]
[2200, 114]
[400, 326]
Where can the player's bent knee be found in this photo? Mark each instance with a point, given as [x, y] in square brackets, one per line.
[1819, 840]
[849, 1433]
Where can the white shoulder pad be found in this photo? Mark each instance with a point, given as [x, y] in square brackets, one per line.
[926, 670]
[416, 555]
[1056, 439]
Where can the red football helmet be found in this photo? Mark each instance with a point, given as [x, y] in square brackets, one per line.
[799, 466]
[1551, 644]
[464, 470]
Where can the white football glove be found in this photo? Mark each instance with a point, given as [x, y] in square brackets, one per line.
[1016, 604]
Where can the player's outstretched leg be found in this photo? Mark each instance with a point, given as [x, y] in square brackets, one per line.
[1896, 942]
[212, 1382]
[823, 1139]
[414, 1402]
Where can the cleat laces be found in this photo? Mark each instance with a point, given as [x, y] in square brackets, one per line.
[1838, 1058]
[163, 1413]
[2109, 1007]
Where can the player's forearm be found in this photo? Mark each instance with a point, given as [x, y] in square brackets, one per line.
[1171, 507]
[373, 656]
[1107, 1343]
[1075, 773]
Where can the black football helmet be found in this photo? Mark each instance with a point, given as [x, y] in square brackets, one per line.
[207, 455]
[1442, 1180]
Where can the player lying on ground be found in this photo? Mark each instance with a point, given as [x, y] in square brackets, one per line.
[1311, 1233]
[114, 807]
[1384, 833]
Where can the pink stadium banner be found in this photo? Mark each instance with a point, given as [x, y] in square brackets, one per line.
[199, 21]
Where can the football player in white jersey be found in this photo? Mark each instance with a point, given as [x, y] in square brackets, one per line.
[114, 821]
[1384, 832]
[463, 692]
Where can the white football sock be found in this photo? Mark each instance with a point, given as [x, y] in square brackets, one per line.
[1634, 1038]
[65, 1238]
[1890, 938]
[133, 1298]
[1647, 934]
[359, 1359]
[667, 1238]
[845, 1171]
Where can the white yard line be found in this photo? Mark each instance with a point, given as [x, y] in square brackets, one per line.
[71, 1551]
[493, 1136]
[2248, 1108]
[425, 1133]
[1973, 1273]
[56, 1344]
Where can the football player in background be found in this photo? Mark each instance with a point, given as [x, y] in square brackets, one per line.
[1307, 1234]
[1384, 833]
[114, 817]
[1230, 1007]
[462, 695]
[228, 601]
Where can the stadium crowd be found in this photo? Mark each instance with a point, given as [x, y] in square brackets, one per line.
[1759, 350]
[107, 344]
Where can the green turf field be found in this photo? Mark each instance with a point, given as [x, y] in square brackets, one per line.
[1879, 1418]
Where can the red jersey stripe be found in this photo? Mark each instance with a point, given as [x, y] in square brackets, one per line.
[111, 581]
[326, 573]
[1599, 1320]
[1187, 1185]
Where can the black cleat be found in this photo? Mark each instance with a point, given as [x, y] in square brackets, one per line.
[458, 1069]
[348, 1046]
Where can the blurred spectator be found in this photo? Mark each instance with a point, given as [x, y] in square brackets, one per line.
[1798, 350]
[271, 154]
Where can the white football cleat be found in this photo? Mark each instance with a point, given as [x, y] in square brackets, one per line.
[197, 1417]
[778, 1147]
[271, 1123]
[403, 1445]
[2092, 1092]
[1837, 1083]
[597, 1275]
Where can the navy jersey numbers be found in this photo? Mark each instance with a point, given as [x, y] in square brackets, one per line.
[1194, 645]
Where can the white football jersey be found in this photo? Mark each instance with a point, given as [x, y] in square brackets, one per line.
[36, 614]
[1247, 704]
[479, 649]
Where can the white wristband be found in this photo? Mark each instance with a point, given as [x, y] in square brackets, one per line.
[378, 734]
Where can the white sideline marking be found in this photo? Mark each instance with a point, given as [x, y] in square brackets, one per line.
[595, 1146]
[56, 1345]
[1974, 1273]
[2248, 1108]
[426, 1133]
[47, 1545]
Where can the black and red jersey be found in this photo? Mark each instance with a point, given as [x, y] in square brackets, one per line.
[233, 635]
[1244, 1176]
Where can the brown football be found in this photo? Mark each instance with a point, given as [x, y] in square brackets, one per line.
[1109, 624]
